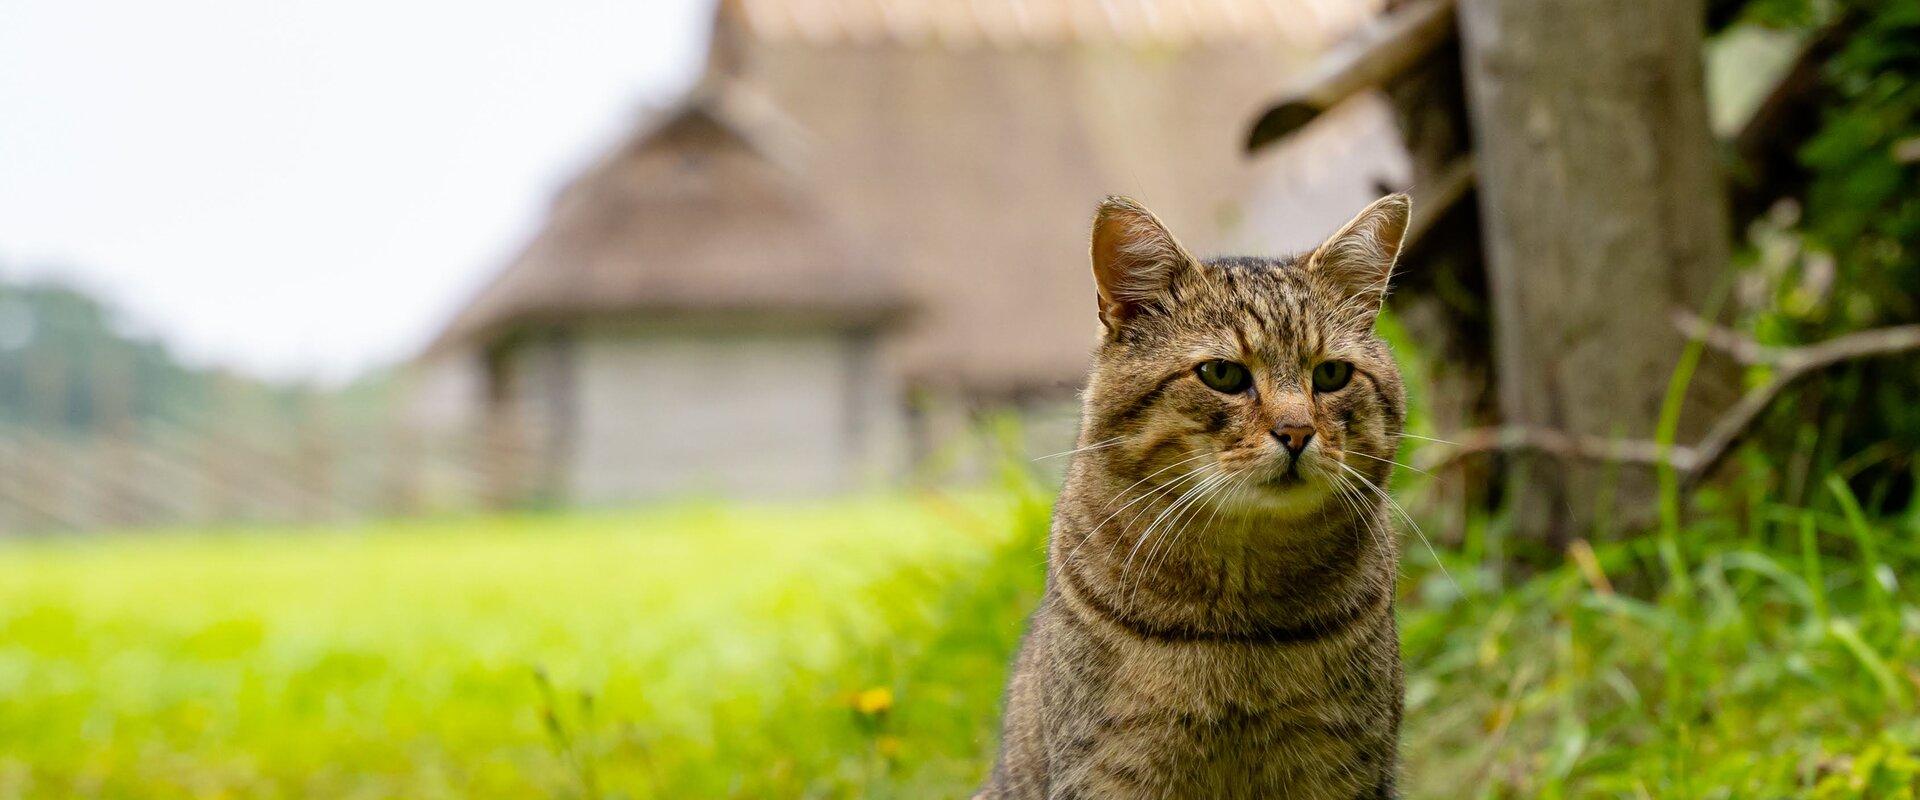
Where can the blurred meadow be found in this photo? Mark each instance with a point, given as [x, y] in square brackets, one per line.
[857, 649]
[689, 651]
[668, 400]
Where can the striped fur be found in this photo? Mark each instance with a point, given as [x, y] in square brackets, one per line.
[1218, 620]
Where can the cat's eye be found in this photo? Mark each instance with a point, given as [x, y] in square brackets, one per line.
[1332, 376]
[1229, 377]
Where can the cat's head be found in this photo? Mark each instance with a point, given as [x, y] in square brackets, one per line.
[1245, 382]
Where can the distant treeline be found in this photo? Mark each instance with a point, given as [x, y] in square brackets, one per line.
[69, 365]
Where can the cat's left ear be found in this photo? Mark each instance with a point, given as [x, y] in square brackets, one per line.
[1360, 258]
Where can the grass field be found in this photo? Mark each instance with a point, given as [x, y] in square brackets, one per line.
[857, 649]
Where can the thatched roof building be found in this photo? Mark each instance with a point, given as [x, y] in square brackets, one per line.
[919, 174]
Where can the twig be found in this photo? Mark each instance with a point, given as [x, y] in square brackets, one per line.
[1727, 340]
[1696, 462]
[1547, 441]
[1791, 364]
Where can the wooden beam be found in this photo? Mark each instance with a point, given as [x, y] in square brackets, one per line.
[1377, 55]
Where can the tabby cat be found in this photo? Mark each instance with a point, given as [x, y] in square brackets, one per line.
[1218, 619]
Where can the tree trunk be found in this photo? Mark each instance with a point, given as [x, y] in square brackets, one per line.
[1602, 210]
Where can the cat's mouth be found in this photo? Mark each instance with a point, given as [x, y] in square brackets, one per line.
[1289, 479]
[1287, 493]
[1280, 484]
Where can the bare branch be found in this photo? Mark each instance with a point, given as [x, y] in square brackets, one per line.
[1694, 463]
[1793, 364]
[1863, 344]
[1560, 444]
[1727, 340]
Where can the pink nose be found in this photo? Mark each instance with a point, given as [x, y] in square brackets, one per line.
[1293, 437]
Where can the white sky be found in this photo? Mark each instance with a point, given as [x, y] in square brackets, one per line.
[307, 188]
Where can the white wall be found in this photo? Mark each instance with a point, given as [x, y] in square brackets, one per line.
[445, 393]
[737, 414]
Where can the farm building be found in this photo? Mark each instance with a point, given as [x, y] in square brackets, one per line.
[866, 224]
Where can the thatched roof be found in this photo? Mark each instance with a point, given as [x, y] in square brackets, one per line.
[962, 145]
[696, 213]
[1045, 23]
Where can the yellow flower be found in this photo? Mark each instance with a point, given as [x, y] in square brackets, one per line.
[887, 746]
[874, 701]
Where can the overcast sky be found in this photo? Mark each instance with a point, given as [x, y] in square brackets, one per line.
[308, 187]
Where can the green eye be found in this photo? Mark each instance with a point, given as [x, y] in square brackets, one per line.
[1228, 377]
[1332, 376]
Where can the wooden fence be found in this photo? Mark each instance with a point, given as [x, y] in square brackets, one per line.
[159, 476]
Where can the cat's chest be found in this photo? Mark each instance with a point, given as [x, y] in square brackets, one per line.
[1290, 734]
[1212, 682]
[1229, 721]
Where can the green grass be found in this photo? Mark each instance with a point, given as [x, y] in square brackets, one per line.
[857, 649]
[694, 652]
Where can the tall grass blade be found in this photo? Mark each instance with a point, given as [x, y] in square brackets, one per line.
[1880, 580]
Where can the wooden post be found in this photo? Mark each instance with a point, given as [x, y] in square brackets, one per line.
[221, 500]
[501, 449]
[113, 466]
[1602, 212]
[313, 460]
[401, 468]
[502, 439]
[45, 486]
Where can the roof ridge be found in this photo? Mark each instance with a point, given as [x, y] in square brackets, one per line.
[1011, 24]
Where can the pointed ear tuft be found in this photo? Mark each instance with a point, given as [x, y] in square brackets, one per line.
[1360, 258]
[1134, 260]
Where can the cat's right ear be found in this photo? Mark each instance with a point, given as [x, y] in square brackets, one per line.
[1134, 260]
[1360, 258]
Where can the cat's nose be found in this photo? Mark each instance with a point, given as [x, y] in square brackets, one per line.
[1293, 437]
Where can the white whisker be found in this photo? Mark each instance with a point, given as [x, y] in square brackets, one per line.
[1143, 495]
[1185, 501]
[1196, 475]
[1231, 484]
[1349, 497]
[1095, 446]
[1395, 505]
[1201, 494]
[1171, 507]
[1149, 476]
[1387, 461]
